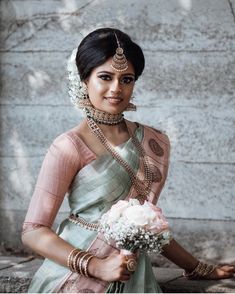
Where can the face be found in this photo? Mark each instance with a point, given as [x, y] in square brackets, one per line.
[110, 91]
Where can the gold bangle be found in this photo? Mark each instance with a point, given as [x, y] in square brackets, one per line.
[200, 271]
[76, 257]
[85, 264]
[78, 261]
[69, 259]
[81, 262]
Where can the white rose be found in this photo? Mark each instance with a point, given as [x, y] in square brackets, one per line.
[116, 210]
[149, 212]
[136, 215]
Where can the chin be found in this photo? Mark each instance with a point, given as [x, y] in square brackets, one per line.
[117, 111]
[112, 110]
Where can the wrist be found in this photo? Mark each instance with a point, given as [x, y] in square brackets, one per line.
[191, 266]
[93, 267]
[202, 270]
[78, 261]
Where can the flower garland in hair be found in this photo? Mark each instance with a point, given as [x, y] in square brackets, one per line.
[75, 85]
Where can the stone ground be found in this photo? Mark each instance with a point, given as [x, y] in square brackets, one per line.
[16, 273]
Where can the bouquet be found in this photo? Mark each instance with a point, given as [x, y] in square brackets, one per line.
[134, 227]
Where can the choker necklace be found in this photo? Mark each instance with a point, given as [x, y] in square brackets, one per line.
[102, 117]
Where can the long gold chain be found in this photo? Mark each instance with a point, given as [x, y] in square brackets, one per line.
[142, 187]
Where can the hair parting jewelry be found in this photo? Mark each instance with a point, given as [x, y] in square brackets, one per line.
[119, 61]
[200, 271]
[78, 261]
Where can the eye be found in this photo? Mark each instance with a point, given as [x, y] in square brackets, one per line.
[127, 80]
[105, 77]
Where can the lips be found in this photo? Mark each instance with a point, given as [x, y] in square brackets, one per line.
[114, 99]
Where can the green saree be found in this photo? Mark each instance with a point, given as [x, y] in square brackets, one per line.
[94, 189]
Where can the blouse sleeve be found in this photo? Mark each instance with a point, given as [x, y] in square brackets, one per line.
[59, 167]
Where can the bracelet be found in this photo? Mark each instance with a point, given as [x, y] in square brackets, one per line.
[200, 271]
[75, 261]
[87, 259]
[78, 261]
[70, 257]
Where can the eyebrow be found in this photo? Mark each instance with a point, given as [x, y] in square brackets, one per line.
[111, 73]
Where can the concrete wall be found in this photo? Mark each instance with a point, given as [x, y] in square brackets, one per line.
[187, 90]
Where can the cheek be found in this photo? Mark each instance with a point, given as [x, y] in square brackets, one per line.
[96, 87]
[129, 91]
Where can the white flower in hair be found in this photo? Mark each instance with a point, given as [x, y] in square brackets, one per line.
[76, 91]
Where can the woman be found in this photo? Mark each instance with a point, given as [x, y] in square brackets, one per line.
[102, 160]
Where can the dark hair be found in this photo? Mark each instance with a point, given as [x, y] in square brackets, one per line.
[100, 45]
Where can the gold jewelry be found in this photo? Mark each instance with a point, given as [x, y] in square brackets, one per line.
[200, 271]
[71, 257]
[75, 262]
[131, 107]
[131, 265]
[80, 98]
[85, 263]
[103, 117]
[143, 187]
[76, 219]
[78, 261]
[119, 61]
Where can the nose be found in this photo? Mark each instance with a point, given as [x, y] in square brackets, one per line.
[116, 87]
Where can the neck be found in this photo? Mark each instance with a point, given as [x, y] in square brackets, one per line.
[114, 129]
[102, 117]
[116, 134]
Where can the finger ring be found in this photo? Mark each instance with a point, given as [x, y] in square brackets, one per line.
[131, 265]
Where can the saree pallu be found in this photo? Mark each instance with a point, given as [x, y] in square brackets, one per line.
[95, 188]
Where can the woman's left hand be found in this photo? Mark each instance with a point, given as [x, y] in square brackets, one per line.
[221, 272]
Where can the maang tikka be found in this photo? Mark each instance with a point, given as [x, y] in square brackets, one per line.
[119, 62]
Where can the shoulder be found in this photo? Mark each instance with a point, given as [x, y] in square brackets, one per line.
[159, 135]
[70, 140]
[156, 142]
[71, 147]
[65, 142]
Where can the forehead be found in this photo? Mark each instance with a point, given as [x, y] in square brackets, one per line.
[106, 66]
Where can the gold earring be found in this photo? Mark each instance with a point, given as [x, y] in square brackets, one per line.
[131, 106]
[83, 100]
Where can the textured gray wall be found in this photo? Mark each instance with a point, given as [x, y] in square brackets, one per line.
[187, 90]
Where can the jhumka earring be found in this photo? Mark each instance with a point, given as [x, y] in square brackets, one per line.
[119, 62]
[131, 106]
[83, 100]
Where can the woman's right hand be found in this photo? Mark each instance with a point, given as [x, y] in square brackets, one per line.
[111, 268]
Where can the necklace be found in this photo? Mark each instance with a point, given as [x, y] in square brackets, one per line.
[142, 187]
[102, 117]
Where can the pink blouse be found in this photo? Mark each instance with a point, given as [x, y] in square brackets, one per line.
[65, 157]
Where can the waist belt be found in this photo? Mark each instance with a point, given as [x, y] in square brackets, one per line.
[77, 220]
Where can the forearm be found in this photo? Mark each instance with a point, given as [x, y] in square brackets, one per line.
[48, 244]
[178, 255]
